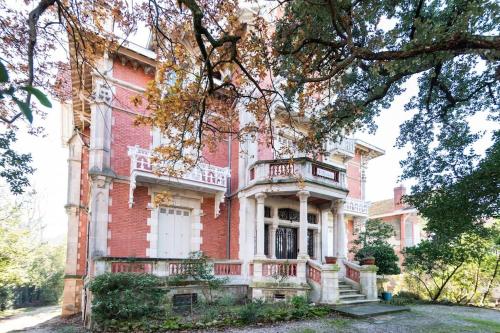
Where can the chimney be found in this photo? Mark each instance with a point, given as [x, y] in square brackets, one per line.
[398, 194]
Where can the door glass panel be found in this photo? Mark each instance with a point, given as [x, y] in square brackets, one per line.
[286, 243]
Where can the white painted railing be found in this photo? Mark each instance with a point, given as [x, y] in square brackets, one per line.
[302, 169]
[140, 160]
[357, 206]
[344, 147]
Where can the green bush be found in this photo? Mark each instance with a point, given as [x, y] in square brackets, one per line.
[250, 312]
[372, 242]
[385, 258]
[126, 296]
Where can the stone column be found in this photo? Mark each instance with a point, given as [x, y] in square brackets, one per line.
[324, 235]
[317, 244]
[260, 197]
[272, 241]
[303, 195]
[368, 281]
[73, 283]
[341, 231]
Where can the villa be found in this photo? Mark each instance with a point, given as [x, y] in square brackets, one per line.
[252, 213]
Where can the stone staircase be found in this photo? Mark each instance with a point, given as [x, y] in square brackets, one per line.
[349, 294]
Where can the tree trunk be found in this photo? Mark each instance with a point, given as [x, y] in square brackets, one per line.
[491, 281]
[476, 282]
[436, 296]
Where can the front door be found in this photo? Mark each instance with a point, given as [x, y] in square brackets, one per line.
[286, 243]
[174, 233]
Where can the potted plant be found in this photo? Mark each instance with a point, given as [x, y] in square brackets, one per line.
[331, 260]
[370, 260]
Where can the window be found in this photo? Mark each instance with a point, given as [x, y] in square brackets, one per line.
[267, 212]
[310, 243]
[288, 214]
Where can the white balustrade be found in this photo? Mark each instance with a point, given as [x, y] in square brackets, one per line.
[344, 147]
[203, 173]
[301, 168]
[357, 206]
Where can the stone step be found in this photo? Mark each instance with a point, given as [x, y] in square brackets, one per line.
[348, 291]
[357, 301]
[352, 297]
[345, 286]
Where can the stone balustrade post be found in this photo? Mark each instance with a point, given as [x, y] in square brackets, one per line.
[368, 281]
[302, 271]
[257, 270]
[330, 284]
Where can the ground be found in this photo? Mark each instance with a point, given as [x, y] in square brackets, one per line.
[422, 318]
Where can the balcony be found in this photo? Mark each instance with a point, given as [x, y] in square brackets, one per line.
[301, 169]
[356, 206]
[345, 148]
[203, 177]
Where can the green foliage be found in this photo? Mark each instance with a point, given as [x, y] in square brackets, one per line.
[250, 313]
[126, 296]
[14, 167]
[464, 205]
[453, 269]
[198, 268]
[31, 271]
[372, 242]
[218, 315]
[404, 298]
[10, 91]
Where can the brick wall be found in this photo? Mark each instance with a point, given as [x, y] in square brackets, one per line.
[128, 226]
[354, 176]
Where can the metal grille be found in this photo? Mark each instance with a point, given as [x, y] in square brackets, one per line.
[266, 239]
[311, 218]
[310, 243]
[288, 214]
[267, 211]
[286, 243]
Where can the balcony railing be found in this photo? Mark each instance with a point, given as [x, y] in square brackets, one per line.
[164, 267]
[302, 168]
[203, 177]
[345, 147]
[140, 160]
[356, 206]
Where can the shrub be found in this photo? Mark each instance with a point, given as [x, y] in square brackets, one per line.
[198, 268]
[372, 242]
[385, 258]
[126, 296]
[249, 313]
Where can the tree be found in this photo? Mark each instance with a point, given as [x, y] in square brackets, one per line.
[28, 265]
[372, 242]
[338, 62]
[435, 263]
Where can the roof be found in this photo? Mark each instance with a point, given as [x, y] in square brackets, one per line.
[374, 151]
[386, 207]
[381, 207]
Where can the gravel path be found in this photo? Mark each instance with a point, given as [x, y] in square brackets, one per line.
[421, 318]
[29, 318]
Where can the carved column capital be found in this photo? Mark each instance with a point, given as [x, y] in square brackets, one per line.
[260, 197]
[303, 195]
